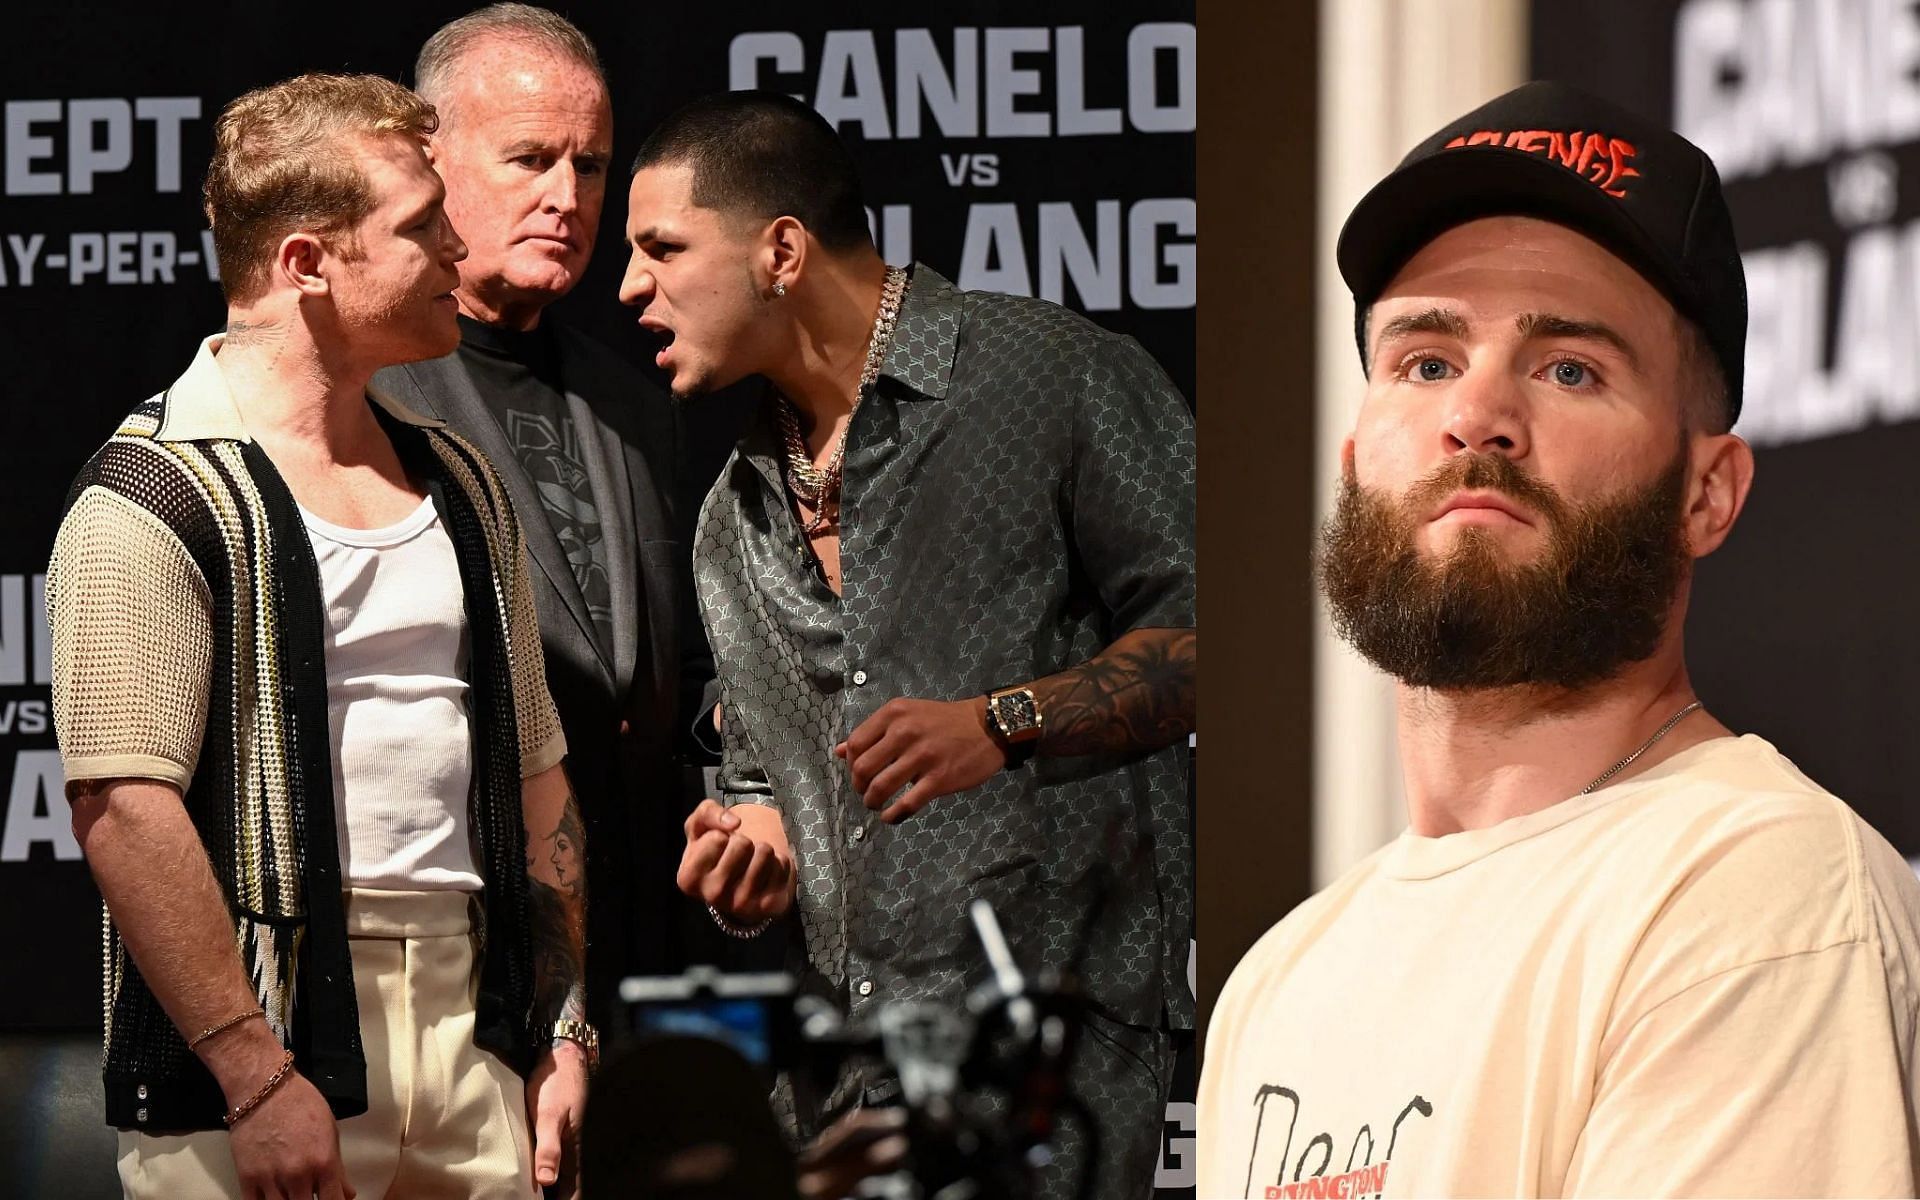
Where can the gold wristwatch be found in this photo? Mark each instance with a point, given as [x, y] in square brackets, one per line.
[581, 1034]
[1014, 721]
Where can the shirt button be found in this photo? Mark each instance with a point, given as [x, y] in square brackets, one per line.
[859, 832]
[141, 1116]
[866, 989]
[859, 679]
[141, 1091]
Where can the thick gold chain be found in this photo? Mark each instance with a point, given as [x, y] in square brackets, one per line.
[817, 487]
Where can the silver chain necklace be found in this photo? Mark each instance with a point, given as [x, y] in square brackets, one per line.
[1645, 746]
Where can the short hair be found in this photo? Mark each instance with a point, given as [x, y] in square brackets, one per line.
[433, 70]
[1706, 404]
[765, 155]
[282, 162]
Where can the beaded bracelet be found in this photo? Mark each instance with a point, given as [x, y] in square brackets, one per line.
[739, 931]
[266, 1089]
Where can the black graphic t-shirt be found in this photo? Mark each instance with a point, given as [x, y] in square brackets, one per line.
[519, 374]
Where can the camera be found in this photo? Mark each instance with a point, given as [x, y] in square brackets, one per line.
[752, 1013]
[984, 1081]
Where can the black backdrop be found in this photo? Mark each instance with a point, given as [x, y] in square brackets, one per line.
[1802, 627]
[1039, 148]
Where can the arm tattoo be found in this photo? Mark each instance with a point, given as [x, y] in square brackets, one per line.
[1137, 694]
[557, 904]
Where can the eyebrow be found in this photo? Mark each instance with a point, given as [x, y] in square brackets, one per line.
[1433, 320]
[655, 233]
[532, 146]
[1442, 321]
[421, 212]
[1549, 325]
[1448, 323]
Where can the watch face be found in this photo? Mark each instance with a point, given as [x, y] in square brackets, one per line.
[1017, 712]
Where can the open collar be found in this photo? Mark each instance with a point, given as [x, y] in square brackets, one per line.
[925, 335]
[919, 357]
[200, 407]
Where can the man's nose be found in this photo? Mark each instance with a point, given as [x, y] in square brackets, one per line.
[563, 189]
[1484, 414]
[455, 245]
[636, 287]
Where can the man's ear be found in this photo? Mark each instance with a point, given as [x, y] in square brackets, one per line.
[297, 261]
[1720, 475]
[784, 247]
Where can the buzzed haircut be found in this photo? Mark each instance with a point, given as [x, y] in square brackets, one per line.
[765, 155]
[433, 71]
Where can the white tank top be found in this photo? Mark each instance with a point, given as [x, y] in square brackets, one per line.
[396, 656]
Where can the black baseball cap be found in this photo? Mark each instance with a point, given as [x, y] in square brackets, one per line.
[1551, 151]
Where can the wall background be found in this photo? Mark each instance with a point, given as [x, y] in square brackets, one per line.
[1802, 627]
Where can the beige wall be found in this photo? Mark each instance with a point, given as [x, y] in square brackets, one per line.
[1391, 72]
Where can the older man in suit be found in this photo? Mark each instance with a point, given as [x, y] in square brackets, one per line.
[587, 447]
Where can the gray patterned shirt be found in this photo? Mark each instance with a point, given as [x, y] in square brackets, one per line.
[1018, 493]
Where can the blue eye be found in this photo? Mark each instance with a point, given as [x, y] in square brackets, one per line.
[1568, 373]
[1431, 369]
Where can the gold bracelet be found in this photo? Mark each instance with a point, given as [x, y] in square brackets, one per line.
[266, 1089]
[227, 1024]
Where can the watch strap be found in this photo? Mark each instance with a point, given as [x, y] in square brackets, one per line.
[581, 1034]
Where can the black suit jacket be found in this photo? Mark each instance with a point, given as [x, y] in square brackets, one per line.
[632, 754]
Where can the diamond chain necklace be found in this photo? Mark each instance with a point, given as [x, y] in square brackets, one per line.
[819, 488]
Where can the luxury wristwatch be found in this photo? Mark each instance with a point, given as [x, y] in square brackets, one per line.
[582, 1034]
[1014, 721]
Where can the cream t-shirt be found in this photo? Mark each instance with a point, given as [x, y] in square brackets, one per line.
[1702, 981]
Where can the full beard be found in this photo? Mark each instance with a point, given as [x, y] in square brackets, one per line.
[1596, 600]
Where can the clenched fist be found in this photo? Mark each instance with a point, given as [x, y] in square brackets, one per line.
[737, 859]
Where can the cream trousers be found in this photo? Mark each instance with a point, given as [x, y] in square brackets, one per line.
[444, 1118]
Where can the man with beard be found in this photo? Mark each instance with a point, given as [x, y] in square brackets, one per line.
[1619, 951]
[948, 579]
[587, 447]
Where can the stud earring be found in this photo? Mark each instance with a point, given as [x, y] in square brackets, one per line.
[779, 289]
